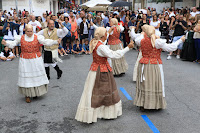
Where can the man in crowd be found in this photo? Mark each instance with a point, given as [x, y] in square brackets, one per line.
[180, 26]
[34, 23]
[194, 12]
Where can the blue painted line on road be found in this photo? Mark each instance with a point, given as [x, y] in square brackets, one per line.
[126, 94]
[150, 124]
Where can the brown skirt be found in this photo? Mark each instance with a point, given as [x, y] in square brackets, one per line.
[149, 92]
[119, 66]
[105, 90]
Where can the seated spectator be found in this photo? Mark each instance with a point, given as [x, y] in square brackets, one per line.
[61, 51]
[86, 47]
[7, 55]
[77, 48]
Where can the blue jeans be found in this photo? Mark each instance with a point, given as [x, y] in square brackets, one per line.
[91, 33]
[176, 38]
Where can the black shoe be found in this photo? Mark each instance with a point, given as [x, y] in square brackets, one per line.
[59, 74]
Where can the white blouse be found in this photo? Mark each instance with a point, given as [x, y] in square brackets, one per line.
[105, 51]
[47, 42]
[159, 44]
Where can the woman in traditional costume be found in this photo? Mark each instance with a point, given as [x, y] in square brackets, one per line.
[119, 66]
[134, 37]
[150, 93]
[32, 79]
[100, 98]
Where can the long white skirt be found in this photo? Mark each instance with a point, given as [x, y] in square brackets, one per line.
[85, 113]
[136, 66]
[32, 80]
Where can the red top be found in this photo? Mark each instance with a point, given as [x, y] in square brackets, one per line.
[99, 61]
[30, 50]
[114, 38]
[149, 54]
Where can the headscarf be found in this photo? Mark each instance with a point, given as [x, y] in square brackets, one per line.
[115, 22]
[150, 31]
[99, 33]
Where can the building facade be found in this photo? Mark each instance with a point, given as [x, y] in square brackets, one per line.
[36, 7]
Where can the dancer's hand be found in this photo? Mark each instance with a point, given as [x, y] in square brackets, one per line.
[183, 38]
[131, 44]
[59, 40]
[3, 42]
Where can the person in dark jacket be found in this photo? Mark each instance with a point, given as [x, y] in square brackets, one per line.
[84, 30]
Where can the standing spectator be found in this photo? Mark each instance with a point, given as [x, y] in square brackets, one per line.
[46, 22]
[53, 17]
[155, 23]
[22, 27]
[91, 30]
[141, 23]
[71, 15]
[126, 29]
[99, 22]
[34, 23]
[44, 17]
[1, 34]
[197, 41]
[164, 28]
[132, 22]
[180, 26]
[67, 38]
[194, 12]
[167, 19]
[171, 13]
[84, 30]
[74, 33]
[106, 19]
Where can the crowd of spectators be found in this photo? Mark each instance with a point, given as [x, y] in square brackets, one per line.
[172, 23]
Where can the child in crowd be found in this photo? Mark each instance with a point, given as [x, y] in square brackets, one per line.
[6, 55]
[61, 51]
[77, 48]
[86, 49]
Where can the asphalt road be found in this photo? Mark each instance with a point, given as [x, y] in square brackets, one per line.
[55, 111]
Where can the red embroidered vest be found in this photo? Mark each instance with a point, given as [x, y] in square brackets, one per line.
[99, 61]
[149, 54]
[114, 38]
[30, 50]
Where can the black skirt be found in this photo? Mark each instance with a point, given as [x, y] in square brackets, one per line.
[48, 57]
[188, 52]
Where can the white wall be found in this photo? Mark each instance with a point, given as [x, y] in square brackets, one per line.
[159, 7]
[38, 6]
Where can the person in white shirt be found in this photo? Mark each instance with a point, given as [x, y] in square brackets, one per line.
[171, 13]
[194, 12]
[155, 23]
[34, 23]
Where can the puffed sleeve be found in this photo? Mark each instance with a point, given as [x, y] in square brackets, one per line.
[104, 51]
[121, 28]
[95, 27]
[1, 54]
[12, 44]
[47, 42]
[133, 35]
[62, 32]
[161, 44]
